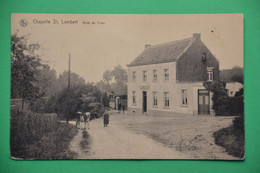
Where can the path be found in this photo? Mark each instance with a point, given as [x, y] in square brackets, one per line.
[114, 142]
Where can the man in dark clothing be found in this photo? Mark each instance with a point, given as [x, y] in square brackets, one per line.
[106, 118]
[78, 118]
[123, 107]
[119, 107]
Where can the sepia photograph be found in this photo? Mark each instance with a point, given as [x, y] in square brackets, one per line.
[127, 86]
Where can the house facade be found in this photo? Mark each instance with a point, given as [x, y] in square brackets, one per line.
[168, 78]
[233, 87]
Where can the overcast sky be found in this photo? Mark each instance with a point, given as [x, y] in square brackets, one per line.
[119, 39]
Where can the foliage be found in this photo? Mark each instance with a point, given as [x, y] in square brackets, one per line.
[119, 76]
[240, 92]
[220, 98]
[223, 105]
[62, 81]
[76, 98]
[105, 100]
[232, 138]
[39, 136]
[236, 74]
[103, 87]
[26, 67]
[97, 110]
[107, 76]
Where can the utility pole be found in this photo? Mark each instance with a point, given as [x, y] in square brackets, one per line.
[69, 73]
[67, 116]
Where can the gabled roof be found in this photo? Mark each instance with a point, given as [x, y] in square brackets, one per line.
[161, 53]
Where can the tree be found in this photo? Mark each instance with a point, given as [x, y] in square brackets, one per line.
[120, 76]
[236, 74]
[76, 98]
[103, 87]
[75, 80]
[221, 101]
[25, 67]
[107, 76]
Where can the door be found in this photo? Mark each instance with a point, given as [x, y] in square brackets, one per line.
[203, 102]
[144, 101]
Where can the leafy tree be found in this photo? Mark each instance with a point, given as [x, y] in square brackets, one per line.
[107, 76]
[103, 87]
[76, 98]
[26, 66]
[119, 87]
[236, 74]
[62, 81]
[221, 101]
[48, 81]
[119, 74]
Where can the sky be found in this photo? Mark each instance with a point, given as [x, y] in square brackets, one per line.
[100, 42]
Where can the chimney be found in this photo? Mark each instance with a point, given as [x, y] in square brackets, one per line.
[147, 45]
[196, 36]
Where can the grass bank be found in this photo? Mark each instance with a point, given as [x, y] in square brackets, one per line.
[232, 138]
[38, 136]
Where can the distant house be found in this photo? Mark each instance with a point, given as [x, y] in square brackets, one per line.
[168, 77]
[233, 87]
[112, 99]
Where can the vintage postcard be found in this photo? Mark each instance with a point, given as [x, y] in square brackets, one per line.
[127, 86]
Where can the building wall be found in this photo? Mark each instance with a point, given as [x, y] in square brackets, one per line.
[191, 68]
[161, 86]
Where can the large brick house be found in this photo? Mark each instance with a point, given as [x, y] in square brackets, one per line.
[168, 78]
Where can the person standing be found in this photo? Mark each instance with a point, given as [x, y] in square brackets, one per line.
[78, 119]
[106, 118]
[123, 107]
[119, 107]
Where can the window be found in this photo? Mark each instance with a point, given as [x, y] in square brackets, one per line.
[134, 97]
[155, 75]
[166, 99]
[166, 74]
[210, 73]
[144, 76]
[184, 98]
[134, 76]
[155, 99]
[203, 57]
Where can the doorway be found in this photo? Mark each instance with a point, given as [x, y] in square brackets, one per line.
[203, 102]
[144, 101]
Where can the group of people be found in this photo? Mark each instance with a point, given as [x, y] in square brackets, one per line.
[121, 106]
[85, 117]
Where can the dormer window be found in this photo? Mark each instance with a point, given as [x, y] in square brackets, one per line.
[210, 74]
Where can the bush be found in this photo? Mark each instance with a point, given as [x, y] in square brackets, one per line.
[223, 105]
[39, 136]
[232, 138]
[97, 110]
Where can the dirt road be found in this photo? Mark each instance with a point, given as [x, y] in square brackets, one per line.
[115, 142]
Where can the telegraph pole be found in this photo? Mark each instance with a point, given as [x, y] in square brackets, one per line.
[67, 116]
[69, 73]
